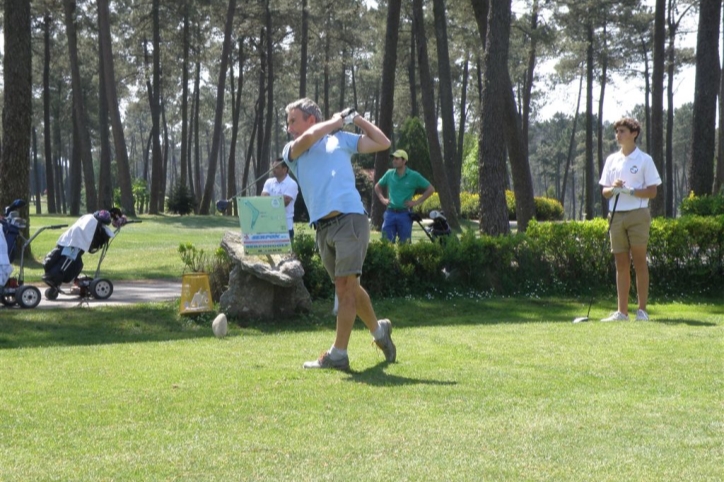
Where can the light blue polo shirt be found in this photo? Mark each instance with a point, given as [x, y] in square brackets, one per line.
[325, 175]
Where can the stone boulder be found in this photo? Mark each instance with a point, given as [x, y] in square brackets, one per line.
[264, 287]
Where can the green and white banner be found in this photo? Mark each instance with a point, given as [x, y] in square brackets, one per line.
[263, 223]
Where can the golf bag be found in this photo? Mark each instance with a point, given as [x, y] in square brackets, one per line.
[439, 230]
[6, 268]
[11, 226]
[440, 227]
[64, 263]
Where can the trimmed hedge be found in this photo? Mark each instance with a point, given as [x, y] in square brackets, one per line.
[546, 209]
[706, 205]
[572, 258]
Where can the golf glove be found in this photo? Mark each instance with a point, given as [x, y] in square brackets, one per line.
[625, 190]
[349, 118]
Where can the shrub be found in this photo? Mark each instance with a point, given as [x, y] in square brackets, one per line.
[706, 205]
[546, 209]
[431, 203]
[469, 205]
[570, 258]
[316, 279]
[217, 266]
[510, 202]
[180, 200]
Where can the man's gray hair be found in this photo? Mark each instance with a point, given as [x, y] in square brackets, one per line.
[308, 107]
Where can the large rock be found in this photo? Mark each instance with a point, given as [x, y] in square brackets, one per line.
[263, 287]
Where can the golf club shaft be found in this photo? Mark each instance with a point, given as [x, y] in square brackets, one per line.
[250, 185]
[613, 212]
[590, 303]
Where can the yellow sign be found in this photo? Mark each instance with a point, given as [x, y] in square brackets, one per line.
[263, 221]
[195, 294]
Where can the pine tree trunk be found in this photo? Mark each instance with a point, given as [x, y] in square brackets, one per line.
[47, 136]
[216, 137]
[701, 162]
[82, 137]
[123, 169]
[387, 94]
[442, 186]
[491, 140]
[17, 107]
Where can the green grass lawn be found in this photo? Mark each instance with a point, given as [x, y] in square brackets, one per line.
[484, 389]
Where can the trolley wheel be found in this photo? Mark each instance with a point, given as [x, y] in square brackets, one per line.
[28, 296]
[7, 299]
[51, 294]
[101, 289]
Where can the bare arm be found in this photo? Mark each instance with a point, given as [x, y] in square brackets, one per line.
[381, 194]
[428, 192]
[301, 144]
[373, 139]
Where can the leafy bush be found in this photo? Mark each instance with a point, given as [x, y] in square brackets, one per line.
[510, 202]
[180, 200]
[431, 203]
[706, 205]
[316, 279]
[546, 209]
[570, 258]
[469, 205]
[217, 266]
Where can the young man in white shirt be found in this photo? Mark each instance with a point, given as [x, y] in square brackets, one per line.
[629, 180]
[281, 184]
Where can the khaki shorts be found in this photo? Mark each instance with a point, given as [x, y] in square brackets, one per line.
[343, 245]
[630, 228]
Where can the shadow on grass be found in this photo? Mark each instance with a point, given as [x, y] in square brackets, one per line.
[96, 326]
[376, 376]
[684, 322]
[155, 322]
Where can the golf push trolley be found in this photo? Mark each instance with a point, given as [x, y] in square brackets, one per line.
[13, 290]
[64, 263]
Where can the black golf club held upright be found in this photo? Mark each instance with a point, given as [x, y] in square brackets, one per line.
[581, 319]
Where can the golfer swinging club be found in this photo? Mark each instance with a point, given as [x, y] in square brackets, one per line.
[320, 158]
[630, 175]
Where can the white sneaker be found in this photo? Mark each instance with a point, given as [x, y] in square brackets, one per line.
[641, 315]
[616, 316]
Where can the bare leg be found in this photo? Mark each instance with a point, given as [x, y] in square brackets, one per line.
[623, 280]
[365, 310]
[353, 301]
[638, 254]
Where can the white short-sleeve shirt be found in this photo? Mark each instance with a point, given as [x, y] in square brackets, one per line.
[637, 170]
[288, 187]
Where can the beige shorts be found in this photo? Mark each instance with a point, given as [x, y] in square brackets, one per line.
[343, 245]
[629, 228]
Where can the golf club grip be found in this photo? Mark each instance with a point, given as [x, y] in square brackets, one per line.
[58, 226]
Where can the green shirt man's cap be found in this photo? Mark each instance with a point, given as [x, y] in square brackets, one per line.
[399, 153]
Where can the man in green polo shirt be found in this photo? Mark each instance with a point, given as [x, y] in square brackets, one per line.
[401, 183]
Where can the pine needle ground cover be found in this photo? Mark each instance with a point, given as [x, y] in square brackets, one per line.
[484, 389]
